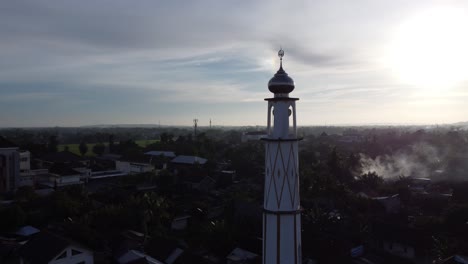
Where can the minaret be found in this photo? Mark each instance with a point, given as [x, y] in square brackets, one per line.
[282, 215]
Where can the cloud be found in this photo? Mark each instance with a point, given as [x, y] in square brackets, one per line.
[28, 97]
[202, 51]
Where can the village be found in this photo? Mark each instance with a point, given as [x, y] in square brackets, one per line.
[197, 198]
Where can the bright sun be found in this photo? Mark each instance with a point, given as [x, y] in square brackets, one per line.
[430, 50]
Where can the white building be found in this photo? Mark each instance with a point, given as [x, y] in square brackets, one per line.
[9, 166]
[61, 175]
[130, 167]
[28, 176]
[282, 215]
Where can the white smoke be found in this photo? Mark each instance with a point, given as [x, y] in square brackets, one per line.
[418, 160]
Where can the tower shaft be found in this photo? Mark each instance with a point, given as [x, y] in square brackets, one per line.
[281, 217]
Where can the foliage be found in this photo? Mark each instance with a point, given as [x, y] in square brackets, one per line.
[83, 148]
[52, 146]
[11, 218]
[248, 159]
[25, 194]
[370, 181]
[99, 149]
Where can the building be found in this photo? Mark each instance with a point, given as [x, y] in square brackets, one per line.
[160, 158]
[9, 166]
[135, 256]
[68, 159]
[49, 248]
[281, 213]
[253, 135]
[65, 157]
[188, 168]
[61, 175]
[188, 160]
[241, 256]
[131, 167]
[29, 176]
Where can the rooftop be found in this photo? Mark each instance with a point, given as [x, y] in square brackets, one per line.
[62, 170]
[62, 156]
[43, 247]
[167, 154]
[189, 160]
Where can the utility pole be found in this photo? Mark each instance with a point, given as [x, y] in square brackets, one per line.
[195, 125]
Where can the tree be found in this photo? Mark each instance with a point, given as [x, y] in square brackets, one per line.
[166, 137]
[12, 218]
[53, 144]
[111, 142]
[370, 180]
[25, 194]
[83, 148]
[99, 149]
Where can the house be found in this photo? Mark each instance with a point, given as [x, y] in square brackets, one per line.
[419, 185]
[392, 203]
[61, 175]
[9, 166]
[180, 223]
[188, 160]
[134, 164]
[157, 153]
[395, 239]
[28, 175]
[188, 166]
[241, 256]
[105, 162]
[455, 259]
[48, 248]
[27, 231]
[67, 158]
[133, 167]
[165, 249]
[253, 136]
[136, 257]
[160, 158]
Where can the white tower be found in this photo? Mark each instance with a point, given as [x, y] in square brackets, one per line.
[282, 215]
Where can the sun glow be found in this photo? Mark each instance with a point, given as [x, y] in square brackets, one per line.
[430, 50]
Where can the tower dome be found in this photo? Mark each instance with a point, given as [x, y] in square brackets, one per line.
[281, 83]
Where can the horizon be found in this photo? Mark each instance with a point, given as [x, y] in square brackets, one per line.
[73, 64]
[149, 125]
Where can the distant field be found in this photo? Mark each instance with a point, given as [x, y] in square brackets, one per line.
[75, 148]
[146, 142]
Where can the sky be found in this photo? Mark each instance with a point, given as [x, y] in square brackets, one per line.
[89, 62]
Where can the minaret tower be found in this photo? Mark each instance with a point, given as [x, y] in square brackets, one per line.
[282, 215]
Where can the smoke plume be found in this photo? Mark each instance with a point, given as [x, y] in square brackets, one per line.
[418, 160]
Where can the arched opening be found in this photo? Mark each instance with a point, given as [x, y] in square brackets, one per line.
[271, 118]
[290, 121]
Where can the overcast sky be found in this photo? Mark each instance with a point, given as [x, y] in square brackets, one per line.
[72, 63]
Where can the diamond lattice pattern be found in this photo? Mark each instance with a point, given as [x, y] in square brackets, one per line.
[281, 182]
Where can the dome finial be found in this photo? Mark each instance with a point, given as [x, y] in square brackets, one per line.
[281, 54]
[281, 83]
